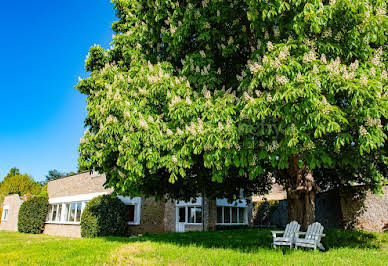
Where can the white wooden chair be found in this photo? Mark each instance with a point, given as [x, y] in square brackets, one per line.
[312, 238]
[288, 235]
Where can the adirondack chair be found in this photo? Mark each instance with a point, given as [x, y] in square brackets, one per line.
[288, 235]
[312, 238]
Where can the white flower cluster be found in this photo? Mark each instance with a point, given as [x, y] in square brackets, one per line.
[254, 66]
[142, 123]
[364, 80]
[333, 66]
[363, 131]
[381, 11]
[327, 33]
[174, 159]
[376, 59]
[273, 147]
[281, 80]
[111, 119]
[371, 122]
[310, 56]
[269, 46]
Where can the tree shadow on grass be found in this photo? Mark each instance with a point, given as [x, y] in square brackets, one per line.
[252, 240]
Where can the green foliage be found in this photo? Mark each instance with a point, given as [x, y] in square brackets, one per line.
[1, 213]
[32, 215]
[211, 96]
[16, 183]
[263, 210]
[104, 216]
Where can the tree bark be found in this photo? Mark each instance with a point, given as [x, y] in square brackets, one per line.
[301, 190]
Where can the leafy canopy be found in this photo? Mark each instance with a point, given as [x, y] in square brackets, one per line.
[213, 95]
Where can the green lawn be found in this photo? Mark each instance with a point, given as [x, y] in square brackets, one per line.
[237, 247]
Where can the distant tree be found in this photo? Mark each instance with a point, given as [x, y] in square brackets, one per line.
[54, 175]
[17, 183]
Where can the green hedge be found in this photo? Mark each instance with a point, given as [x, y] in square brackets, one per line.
[104, 216]
[32, 215]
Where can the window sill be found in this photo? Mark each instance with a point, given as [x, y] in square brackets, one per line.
[133, 223]
[193, 223]
[232, 224]
[68, 223]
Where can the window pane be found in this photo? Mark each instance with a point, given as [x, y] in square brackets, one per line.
[78, 217]
[219, 215]
[67, 212]
[59, 217]
[130, 212]
[226, 215]
[198, 215]
[5, 214]
[72, 212]
[241, 215]
[54, 213]
[234, 215]
[182, 215]
[191, 214]
[49, 213]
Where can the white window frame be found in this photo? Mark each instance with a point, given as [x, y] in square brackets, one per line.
[222, 203]
[186, 206]
[3, 216]
[230, 215]
[65, 213]
[135, 202]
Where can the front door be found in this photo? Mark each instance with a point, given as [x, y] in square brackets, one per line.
[180, 219]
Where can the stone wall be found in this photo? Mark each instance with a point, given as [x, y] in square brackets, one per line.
[13, 202]
[356, 209]
[68, 230]
[151, 217]
[364, 210]
[169, 216]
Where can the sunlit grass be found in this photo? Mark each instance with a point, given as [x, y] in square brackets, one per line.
[237, 247]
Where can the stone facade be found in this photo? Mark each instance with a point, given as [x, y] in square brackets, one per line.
[364, 210]
[354, 209]
[12, 203]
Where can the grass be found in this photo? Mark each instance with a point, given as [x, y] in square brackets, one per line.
[236, 247]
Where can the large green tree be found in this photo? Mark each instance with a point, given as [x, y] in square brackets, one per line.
[16, 183]
[216, 96]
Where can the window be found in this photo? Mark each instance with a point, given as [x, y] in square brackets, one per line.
[130, 213]
[190, 215]
[231, 215]
[182, 215]
[5, 214]
[219, 214]
[226, 215]
[66, 212]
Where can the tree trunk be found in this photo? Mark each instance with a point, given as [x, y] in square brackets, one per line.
[301, 190]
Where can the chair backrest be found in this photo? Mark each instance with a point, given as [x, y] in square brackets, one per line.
[291, 228]
[314, 231]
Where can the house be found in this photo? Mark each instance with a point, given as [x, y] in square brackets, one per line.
[9, 217]
[69, 195]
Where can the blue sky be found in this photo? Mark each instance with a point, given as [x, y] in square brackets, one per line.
[43, 46]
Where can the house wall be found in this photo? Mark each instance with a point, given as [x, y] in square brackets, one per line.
[364, 210]
[13, 202]
[151, 217]
[79, 184]
[355, 209]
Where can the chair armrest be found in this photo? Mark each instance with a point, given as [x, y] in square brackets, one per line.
[297, 234]
[276, 232]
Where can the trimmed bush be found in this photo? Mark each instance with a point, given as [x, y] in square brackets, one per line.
[231, 227]
[32, 215]
[104, 216]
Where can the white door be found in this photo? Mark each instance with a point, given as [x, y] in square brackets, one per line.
[180, 219]
[180, 227]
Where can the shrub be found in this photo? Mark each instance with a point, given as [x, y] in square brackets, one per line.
[104, 216]
[32, 215]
